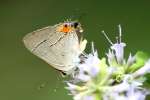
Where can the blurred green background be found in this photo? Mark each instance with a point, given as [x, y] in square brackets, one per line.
[23, 76]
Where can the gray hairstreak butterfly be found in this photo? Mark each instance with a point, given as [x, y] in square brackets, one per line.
[59, 45]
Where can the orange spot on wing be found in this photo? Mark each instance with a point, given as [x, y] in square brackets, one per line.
[66, 29]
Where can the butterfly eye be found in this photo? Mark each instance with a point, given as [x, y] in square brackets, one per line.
[76, 24]
[65, 25]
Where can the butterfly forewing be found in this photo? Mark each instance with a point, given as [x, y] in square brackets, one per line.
[56, 48]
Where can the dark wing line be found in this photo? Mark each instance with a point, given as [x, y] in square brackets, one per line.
[38, 45]
[46, 41]
[57, 40]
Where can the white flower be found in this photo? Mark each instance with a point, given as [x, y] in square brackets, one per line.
[127, 90]
[133, 94]
[89, 69]
[88, 98]
[119, 51]
[72, 88]
[111, 56]
[114, 78]
[131, 60]
[79, 97]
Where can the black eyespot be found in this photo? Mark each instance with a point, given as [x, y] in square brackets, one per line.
[76, 24]
[65, 25]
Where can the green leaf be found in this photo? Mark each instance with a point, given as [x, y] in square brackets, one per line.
[103, 70]
[147, 81]
[141, 58]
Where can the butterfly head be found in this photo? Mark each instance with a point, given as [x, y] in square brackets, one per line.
[68, 27]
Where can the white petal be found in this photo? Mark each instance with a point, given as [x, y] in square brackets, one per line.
[131, 60]
[71, 86]
[110, 56]
[119, 51]
[143, 70]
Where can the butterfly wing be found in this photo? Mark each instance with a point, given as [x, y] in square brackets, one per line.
[54, 47]
[68, 51]
[34, 39]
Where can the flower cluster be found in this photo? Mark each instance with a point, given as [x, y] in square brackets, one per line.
[112, 77]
